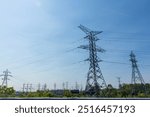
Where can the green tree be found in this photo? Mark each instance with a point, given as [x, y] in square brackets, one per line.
[7, 91]
[67, 93]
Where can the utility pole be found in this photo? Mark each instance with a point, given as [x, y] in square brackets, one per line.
[136, 75]
[27, 88]
[30, 87]
[63, 86]
[66, 85]
[23, 88]
[6, 74]
[39, 87]
[45, 87]
[119, 82]
[76, 86]
[81, 88]
[95, 80]
[54, 86]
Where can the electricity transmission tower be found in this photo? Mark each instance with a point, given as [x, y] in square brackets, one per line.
[27, 87]
[6, 74]
[95, 80]
[136, 75]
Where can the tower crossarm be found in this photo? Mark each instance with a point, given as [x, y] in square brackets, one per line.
[99, 49]
[10, 75]
[88, 31]
[94, 33]
[1, 75]
[84, 29]
[84, 47]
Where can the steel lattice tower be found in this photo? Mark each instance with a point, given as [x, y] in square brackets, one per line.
[95, 80]
[136, 75]
[5, 79]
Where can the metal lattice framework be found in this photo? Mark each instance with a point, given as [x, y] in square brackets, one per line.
[95, 80]
[136, 75]
[5, 74]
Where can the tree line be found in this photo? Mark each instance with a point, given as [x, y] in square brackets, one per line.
[124, 91]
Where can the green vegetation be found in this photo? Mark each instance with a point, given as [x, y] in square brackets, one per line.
[38, 93]
[7, 92]
[125, 91]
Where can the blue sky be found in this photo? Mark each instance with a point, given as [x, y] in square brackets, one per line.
[39, 39]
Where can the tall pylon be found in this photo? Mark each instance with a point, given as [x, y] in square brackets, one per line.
[6, 74]
[95, 80]
[136, 75]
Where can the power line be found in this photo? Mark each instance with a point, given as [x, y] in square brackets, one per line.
[112, 62]
[115, 62]
[122, 63]
[127, 33]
